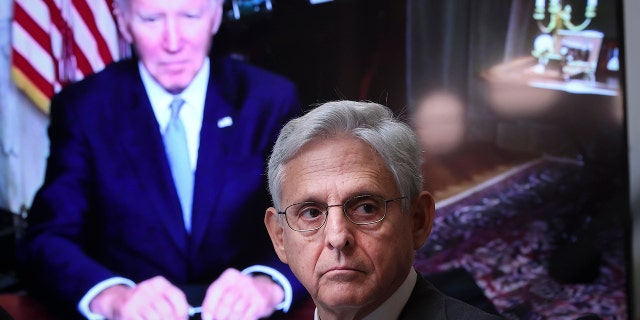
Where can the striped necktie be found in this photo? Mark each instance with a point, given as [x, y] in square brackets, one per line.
[175, 141]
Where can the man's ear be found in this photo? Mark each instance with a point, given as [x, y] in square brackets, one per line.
[217, 16]
[276, 232]
[422, 212]
[123, 23]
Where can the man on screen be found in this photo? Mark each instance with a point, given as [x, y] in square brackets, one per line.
[117, 231]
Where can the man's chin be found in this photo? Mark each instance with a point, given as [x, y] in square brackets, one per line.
[174, 88]
[174, 82]
[343, 304]
[344, 296]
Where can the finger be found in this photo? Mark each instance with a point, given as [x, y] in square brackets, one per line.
[243, 300]
[149, 312]
[176, 302]
[227, 304]
[169, 301]
[257, 295]
[154, 291]
[242, 310]
[239, 306]
[217, 290]
[253, 312]
[137, 310]
[249, 305]
[157, 298]
[135, 306]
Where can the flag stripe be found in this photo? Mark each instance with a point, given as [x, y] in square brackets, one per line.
[26, 22]
[81, 31]
[36, 55]
[40, 82]
[107, 26]
[57, 20]
[55, 42]
[37, 10]
[82, 61]
[89, 20]
[29, 80]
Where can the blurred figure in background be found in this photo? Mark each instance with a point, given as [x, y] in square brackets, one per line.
[439, 123]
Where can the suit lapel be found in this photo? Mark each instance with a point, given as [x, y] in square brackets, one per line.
[214, 142]
[425, 302]
[140, 137]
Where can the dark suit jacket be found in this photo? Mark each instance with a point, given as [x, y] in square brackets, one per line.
[427, 302]
[108, 206]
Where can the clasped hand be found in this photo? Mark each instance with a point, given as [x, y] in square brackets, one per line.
[233, 295]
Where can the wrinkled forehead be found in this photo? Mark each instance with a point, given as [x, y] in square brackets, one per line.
[346, 166]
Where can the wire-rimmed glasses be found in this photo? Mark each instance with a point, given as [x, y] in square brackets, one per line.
[361, 210]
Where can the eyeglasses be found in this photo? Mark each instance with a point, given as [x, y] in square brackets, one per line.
[361, 210]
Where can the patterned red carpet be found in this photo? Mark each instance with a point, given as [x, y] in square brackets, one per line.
[545, 240]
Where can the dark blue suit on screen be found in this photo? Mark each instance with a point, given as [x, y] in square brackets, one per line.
[108, 206]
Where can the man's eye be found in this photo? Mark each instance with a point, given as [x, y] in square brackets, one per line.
[309, 213]
[149, 19]
[366, 208]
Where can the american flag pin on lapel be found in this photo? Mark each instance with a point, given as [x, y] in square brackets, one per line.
[225, 122]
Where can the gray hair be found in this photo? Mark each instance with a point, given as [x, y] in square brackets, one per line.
[372, 123]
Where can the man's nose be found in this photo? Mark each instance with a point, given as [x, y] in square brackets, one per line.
[338, 230]
[172, 35]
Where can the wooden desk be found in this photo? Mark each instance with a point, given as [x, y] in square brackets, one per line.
[542, 112]
[518, 88]
[22, 307]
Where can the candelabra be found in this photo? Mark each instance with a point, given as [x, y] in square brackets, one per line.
[574, 47]
[560, 17]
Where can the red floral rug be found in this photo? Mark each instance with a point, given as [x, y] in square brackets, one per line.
[539, 240]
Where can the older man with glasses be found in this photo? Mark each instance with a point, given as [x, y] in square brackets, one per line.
[349, 213]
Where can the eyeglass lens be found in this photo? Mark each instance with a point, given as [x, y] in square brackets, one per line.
[365, 209]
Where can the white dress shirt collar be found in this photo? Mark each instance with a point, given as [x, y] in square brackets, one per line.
[192, 111]
[392, 307]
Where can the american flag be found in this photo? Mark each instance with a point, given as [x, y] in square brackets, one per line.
[56, 42]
